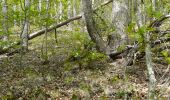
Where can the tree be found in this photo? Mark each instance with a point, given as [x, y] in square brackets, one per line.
[5, 19]
[149, 63]
[120, 19]
[69, 12]
[24, 35]
[92, 28]
[60, 10]
[46, 28]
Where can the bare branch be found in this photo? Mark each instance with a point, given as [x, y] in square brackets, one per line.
[159, 41]
[158, 22]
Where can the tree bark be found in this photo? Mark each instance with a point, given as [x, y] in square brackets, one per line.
[140, 16]
[5, 19]
[149, 63]
[120, 20]
[25, 32]
[14, 8]
[74, 8]
[60, 10]
[69, 13]
[92, 29]
[148, 56]
[39, 5]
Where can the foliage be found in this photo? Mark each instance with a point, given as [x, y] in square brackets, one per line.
[166, 55]
[9, 96]
[69, 80]
[82, 50]
[85, 87]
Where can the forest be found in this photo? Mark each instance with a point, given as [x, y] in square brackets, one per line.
[85, 50]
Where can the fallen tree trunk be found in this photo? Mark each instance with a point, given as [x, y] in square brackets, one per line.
[52, 27]
[157, 23]
[40, 32]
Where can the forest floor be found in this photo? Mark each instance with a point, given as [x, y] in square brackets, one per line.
[28, 77]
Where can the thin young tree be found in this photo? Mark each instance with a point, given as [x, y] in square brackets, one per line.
[141, 21]
[69, 13]
[46, 28]
[60, 10]
[5, 19]
[14, 8]
[24, 35]
[149, 63]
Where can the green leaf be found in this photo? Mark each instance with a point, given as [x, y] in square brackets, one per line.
[164, 53]
[168, 60]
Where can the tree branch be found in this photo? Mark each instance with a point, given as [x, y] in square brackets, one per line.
[159, 41]
[158, 22]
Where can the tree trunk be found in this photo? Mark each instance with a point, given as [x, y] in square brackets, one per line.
[25, 32]
[74, 8]
[92, 29]
[60, 10]
[140, 22]
[120, 20]
[46, 28]
[152, 79]
[69, 13]
[39, 6]
[154, 5]
[14, 8]
[140, 13]
[5, 19]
